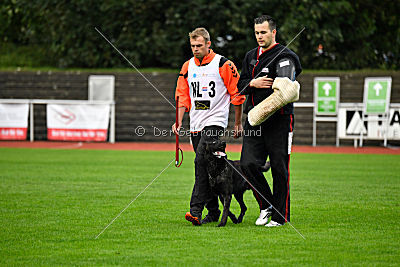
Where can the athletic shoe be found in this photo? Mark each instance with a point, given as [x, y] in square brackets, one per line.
[273, 224]
[264, 216]
[194, 220]
[210, 218]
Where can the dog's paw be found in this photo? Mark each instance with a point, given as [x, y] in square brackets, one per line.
[240, 219]
[234, 220]
[233, 217]
[221, 224]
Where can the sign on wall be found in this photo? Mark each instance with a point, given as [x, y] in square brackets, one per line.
[351, 125]
[77, 122]
[326, 95]
[101, 87]
[377, 95]
[13, 121]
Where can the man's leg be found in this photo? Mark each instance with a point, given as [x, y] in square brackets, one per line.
[194, 216]
[201, 193]
[252, 158]
[278, 144]
[211, 133]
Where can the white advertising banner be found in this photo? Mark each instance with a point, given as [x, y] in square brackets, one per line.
[13, 121]
[350, 125]
[77, 122]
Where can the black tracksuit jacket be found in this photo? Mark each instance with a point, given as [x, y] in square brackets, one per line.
[265, 64]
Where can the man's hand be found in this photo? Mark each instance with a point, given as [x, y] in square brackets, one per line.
[262, 82]
[181, 112]
[176, 129]
[238, 131]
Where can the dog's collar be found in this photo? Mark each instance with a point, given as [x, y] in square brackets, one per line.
[219, 154]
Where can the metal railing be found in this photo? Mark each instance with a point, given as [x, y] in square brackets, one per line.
[32, 102]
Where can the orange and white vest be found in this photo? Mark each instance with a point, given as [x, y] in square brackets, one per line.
[210, 100]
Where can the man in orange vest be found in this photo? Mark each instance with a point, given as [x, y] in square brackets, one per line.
[206, 85]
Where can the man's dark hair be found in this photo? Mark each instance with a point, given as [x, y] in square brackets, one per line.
[264, 18]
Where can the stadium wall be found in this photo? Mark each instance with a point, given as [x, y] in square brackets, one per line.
[138, 104]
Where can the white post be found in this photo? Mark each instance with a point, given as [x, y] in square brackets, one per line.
[337, 131]
[362, 129]
[314, 132]
[112, 124]
[31, 121]
[386, 129]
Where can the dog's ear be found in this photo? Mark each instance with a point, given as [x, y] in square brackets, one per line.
[223, 144]
[208, 145]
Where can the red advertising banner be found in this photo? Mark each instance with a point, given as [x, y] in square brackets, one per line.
[13, 133]
[77, 134]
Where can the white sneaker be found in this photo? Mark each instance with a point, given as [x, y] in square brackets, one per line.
[264, 216]
[273, 224]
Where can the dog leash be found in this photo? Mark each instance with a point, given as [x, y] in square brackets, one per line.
[177, 148]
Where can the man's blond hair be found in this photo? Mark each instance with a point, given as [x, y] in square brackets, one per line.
[200, 32]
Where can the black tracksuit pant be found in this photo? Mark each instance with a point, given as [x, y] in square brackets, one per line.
[201, 194]
[273, 142]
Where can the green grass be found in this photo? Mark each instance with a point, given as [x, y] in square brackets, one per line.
[54, 202]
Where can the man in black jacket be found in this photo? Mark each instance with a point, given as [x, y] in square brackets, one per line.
[260, 67]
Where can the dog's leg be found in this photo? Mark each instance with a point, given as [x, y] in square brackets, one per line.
[233, 217]
[227, 202]
[230, 214]
[243, 208]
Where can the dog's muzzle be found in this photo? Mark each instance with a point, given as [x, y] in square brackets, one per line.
[219, 154]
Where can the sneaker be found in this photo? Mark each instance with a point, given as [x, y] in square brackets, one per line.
[264, 216]
[194, 220]
[273, 224]
[210, 218]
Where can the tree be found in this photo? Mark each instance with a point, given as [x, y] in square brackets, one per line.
[154, 33]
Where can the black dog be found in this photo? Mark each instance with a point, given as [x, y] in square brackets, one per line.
[225, 180]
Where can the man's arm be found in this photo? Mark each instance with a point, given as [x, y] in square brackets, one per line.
[245, 78]
[182, 87]
[230, 76]
[286, 68]
[247, 84]
[182, 90]
[238, 130]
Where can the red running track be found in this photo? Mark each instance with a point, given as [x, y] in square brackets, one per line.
[188, 147]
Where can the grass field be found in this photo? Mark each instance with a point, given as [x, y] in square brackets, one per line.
[54, 202]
